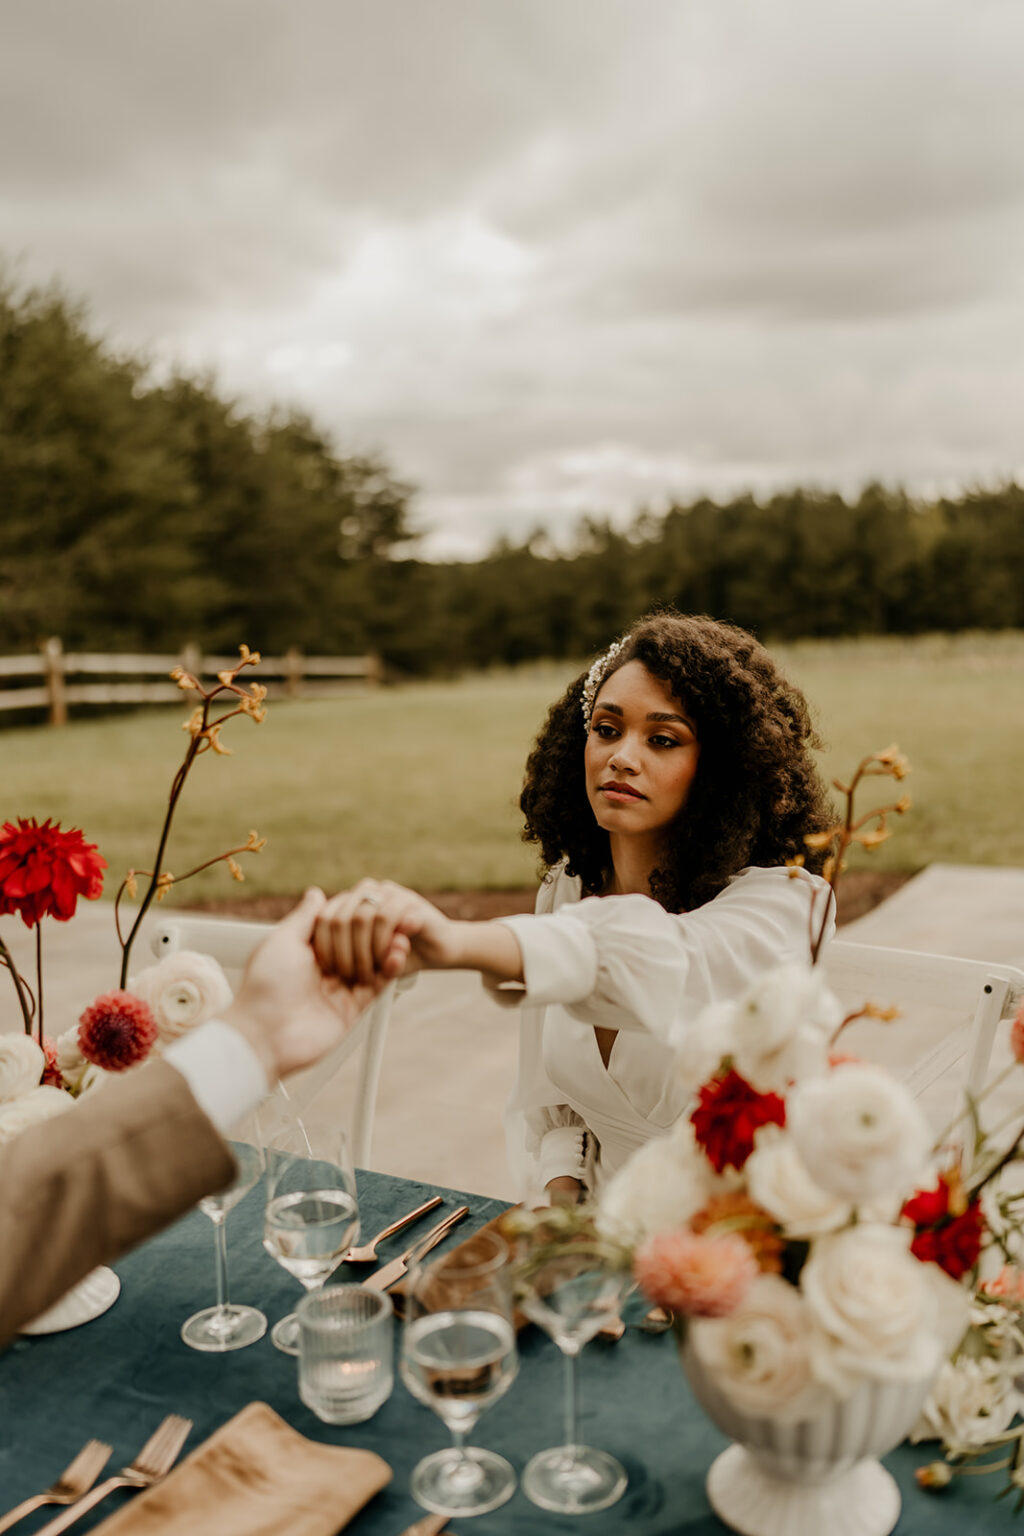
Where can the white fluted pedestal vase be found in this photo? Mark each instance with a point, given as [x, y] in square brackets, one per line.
[811, 1476]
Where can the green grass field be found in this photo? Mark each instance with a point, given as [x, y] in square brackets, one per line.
[419, 783]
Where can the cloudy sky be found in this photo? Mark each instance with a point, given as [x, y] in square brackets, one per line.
[549, 256]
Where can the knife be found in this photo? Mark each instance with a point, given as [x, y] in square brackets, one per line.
[381, 1279]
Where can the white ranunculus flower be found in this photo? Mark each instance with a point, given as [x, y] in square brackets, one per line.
[662, 1185]
[877, 1311]
[73, 1065]
[757, 1357]
[972, 1401]
[778, 1180]
[16, 1115]
[184, 989]
[860, 1132]
[94, 1077]
[703, 1044]
[782, 1027]
[21, 1065]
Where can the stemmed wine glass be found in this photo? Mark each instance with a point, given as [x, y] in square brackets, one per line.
[458, 1357]
[312, 1214]
[572, 1293]
[229, 1325]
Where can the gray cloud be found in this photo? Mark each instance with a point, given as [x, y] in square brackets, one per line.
[549, 258]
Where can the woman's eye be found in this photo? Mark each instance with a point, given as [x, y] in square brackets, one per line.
[664, 741]
[604, 730]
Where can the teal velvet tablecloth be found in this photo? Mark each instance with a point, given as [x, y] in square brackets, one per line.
[117, 1376]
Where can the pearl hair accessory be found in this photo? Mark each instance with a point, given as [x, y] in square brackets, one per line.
[595, 677]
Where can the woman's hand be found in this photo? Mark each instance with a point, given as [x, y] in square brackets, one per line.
[381, 929]
[564, 1190]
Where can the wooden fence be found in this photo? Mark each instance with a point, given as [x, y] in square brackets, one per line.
[290, 676]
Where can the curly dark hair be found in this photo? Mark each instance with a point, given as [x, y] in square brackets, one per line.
[756, 792]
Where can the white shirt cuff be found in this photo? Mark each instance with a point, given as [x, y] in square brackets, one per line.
[563, 1154]
[559, 957]
[222, 1070]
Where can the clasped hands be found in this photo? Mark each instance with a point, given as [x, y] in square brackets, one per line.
[378, 931]
[306, 984]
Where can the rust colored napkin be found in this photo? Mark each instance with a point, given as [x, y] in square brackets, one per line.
[397, 1292]
[255, 1476]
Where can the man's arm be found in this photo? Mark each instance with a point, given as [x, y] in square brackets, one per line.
[82, 1187]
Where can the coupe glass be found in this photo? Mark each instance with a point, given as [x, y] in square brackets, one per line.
[458, 1357]
[312, 1214]
[571, 1295]
[229, 1325]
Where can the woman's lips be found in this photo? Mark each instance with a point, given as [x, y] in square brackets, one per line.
[621, 793]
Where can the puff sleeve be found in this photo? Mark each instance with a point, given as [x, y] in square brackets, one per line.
[623, 962]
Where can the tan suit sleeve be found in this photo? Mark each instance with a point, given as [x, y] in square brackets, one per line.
[79, 1189]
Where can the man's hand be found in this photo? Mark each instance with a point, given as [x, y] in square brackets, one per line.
[288, 1011]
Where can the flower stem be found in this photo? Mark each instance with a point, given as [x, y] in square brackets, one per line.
[7, 959]
[147, 900]
[39, 983]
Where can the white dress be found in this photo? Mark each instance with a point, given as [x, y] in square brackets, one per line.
[624, 963]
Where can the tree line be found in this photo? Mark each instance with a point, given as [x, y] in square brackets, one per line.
[144, 513]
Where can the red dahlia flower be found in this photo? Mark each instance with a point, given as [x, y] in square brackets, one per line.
[43, 870]
[116, 1031]
[952, 1241]
[729, 1112]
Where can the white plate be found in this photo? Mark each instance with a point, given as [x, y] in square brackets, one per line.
[88, 1299]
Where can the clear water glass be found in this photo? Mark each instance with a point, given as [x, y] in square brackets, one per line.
[458, 1357]
[229, 1325]
[311, 1217]
[571, 1296]
[346, 1352]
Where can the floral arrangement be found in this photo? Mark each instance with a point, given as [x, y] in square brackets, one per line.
[800, 1221]
[44, 870]
[802, 1226]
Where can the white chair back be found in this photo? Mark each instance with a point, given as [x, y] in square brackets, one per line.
[950, 1010]
[231, 943]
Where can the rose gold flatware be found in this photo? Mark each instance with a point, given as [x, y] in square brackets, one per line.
[611, 1332]
[381, 1279]
[77, 1478]
[153, 1462]
[430, 1525]
[368, 1251]
[657, 1320]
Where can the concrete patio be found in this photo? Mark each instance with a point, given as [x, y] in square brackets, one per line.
[451, 1050]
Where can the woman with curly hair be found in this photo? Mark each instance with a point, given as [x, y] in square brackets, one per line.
[667, 790]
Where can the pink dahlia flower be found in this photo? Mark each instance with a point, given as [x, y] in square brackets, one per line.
[51, 1077]
[116, 1031]
[1008, 1285]
[697, 1274]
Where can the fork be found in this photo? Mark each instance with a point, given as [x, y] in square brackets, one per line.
[77, 1478]
[368, 1252]
[153, 1462]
